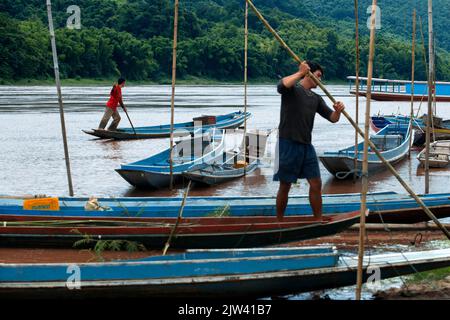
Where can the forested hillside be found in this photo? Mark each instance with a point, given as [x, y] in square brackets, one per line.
[133, 38]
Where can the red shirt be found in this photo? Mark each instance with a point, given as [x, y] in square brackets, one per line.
[114, 98]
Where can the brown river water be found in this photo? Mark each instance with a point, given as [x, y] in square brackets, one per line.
[32, 157]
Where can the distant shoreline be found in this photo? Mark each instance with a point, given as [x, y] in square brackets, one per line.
[107, 82]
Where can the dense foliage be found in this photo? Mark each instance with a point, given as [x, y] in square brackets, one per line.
[133, 38]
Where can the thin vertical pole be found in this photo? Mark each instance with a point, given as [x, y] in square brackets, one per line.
[423, 46]
[430, 95]
[434, 79]
[58, 90]
[357, 89]
[365, 166]
[245, 86]
[174, 75]
[413, 61]
[424, 55]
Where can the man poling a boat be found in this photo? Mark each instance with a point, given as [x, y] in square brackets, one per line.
[115, 98]
[296, 157]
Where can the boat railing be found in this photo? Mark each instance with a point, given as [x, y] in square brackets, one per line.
[389, 86]
[379, 85]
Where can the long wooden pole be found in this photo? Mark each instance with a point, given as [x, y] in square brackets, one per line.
[58, 90]
[352, 122]
[180, 214]
[174, 76]
[365, 165]
[245, 86]
[355, 164]
[424, 56]
[430, 95]
[434, 78]
[126, 112]
[413, 61]
[423, 47]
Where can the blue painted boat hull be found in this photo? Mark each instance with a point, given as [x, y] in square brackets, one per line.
[341, 164]
[148, 180]
[251, 284]
[227, 121]
[192, 263]
[393, 207]
[154, 172]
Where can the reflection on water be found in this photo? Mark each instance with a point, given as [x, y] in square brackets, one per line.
[32, 158]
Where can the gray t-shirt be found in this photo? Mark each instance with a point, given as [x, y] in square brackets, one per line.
[298, 109]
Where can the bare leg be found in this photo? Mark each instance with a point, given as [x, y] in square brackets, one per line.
[315, 196]
[282, 198]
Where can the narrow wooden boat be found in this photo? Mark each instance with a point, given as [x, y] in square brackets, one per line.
[439, 126]
[226, 121]
[378, 122]
[382, 96]
[225, 232]
[393, 141]
[216, 173]
[388, 207]
[250, 273]
[439, 156]
[233, 164]
[154, 172]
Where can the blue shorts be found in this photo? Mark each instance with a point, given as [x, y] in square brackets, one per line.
[295, 161]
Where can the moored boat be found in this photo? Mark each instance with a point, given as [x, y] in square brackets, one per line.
[255, 273]
[378, 122]
[438, 125]
[216, 173]
[204, 232]
[400, 90]
[388, 207]
[154, 172]
[439, 156]
[393, 142]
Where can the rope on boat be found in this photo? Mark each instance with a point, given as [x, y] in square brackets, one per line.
[344, 174]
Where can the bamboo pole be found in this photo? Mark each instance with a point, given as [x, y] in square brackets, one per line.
[180, 214]
[424, 52]
[172, 99]
[245, 87]
[424, 55]
[413, 61]
[433, 134]
[58, 90]
[357, 89]
[365, 165]
[434, 79]
[352, 122]
[430, 95]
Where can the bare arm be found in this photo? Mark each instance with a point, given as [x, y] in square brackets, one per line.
[291, 80]
[338, 107]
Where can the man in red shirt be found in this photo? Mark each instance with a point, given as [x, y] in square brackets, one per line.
[111, 106]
